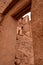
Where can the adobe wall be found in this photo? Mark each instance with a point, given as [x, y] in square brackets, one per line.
[7, 40]
[37, 30]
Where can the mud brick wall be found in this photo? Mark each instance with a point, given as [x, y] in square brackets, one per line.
[37, 30]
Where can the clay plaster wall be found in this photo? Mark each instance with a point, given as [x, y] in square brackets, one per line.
[37, 30]
[7, 40]
[4, 4]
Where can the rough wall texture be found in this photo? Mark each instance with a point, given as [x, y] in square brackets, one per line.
[4, 4]
[37, 30]
[7, 41]
[24, 47]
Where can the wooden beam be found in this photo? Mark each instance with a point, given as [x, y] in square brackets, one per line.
[19, 6]
[23, 12]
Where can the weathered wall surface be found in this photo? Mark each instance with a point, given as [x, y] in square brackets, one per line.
[7, 41]
[24, 53]
[37, 30]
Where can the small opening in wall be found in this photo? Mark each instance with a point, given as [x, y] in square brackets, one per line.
[23, 21]
[29, 15]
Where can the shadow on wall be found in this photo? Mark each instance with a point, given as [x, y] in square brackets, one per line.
[1, 19]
